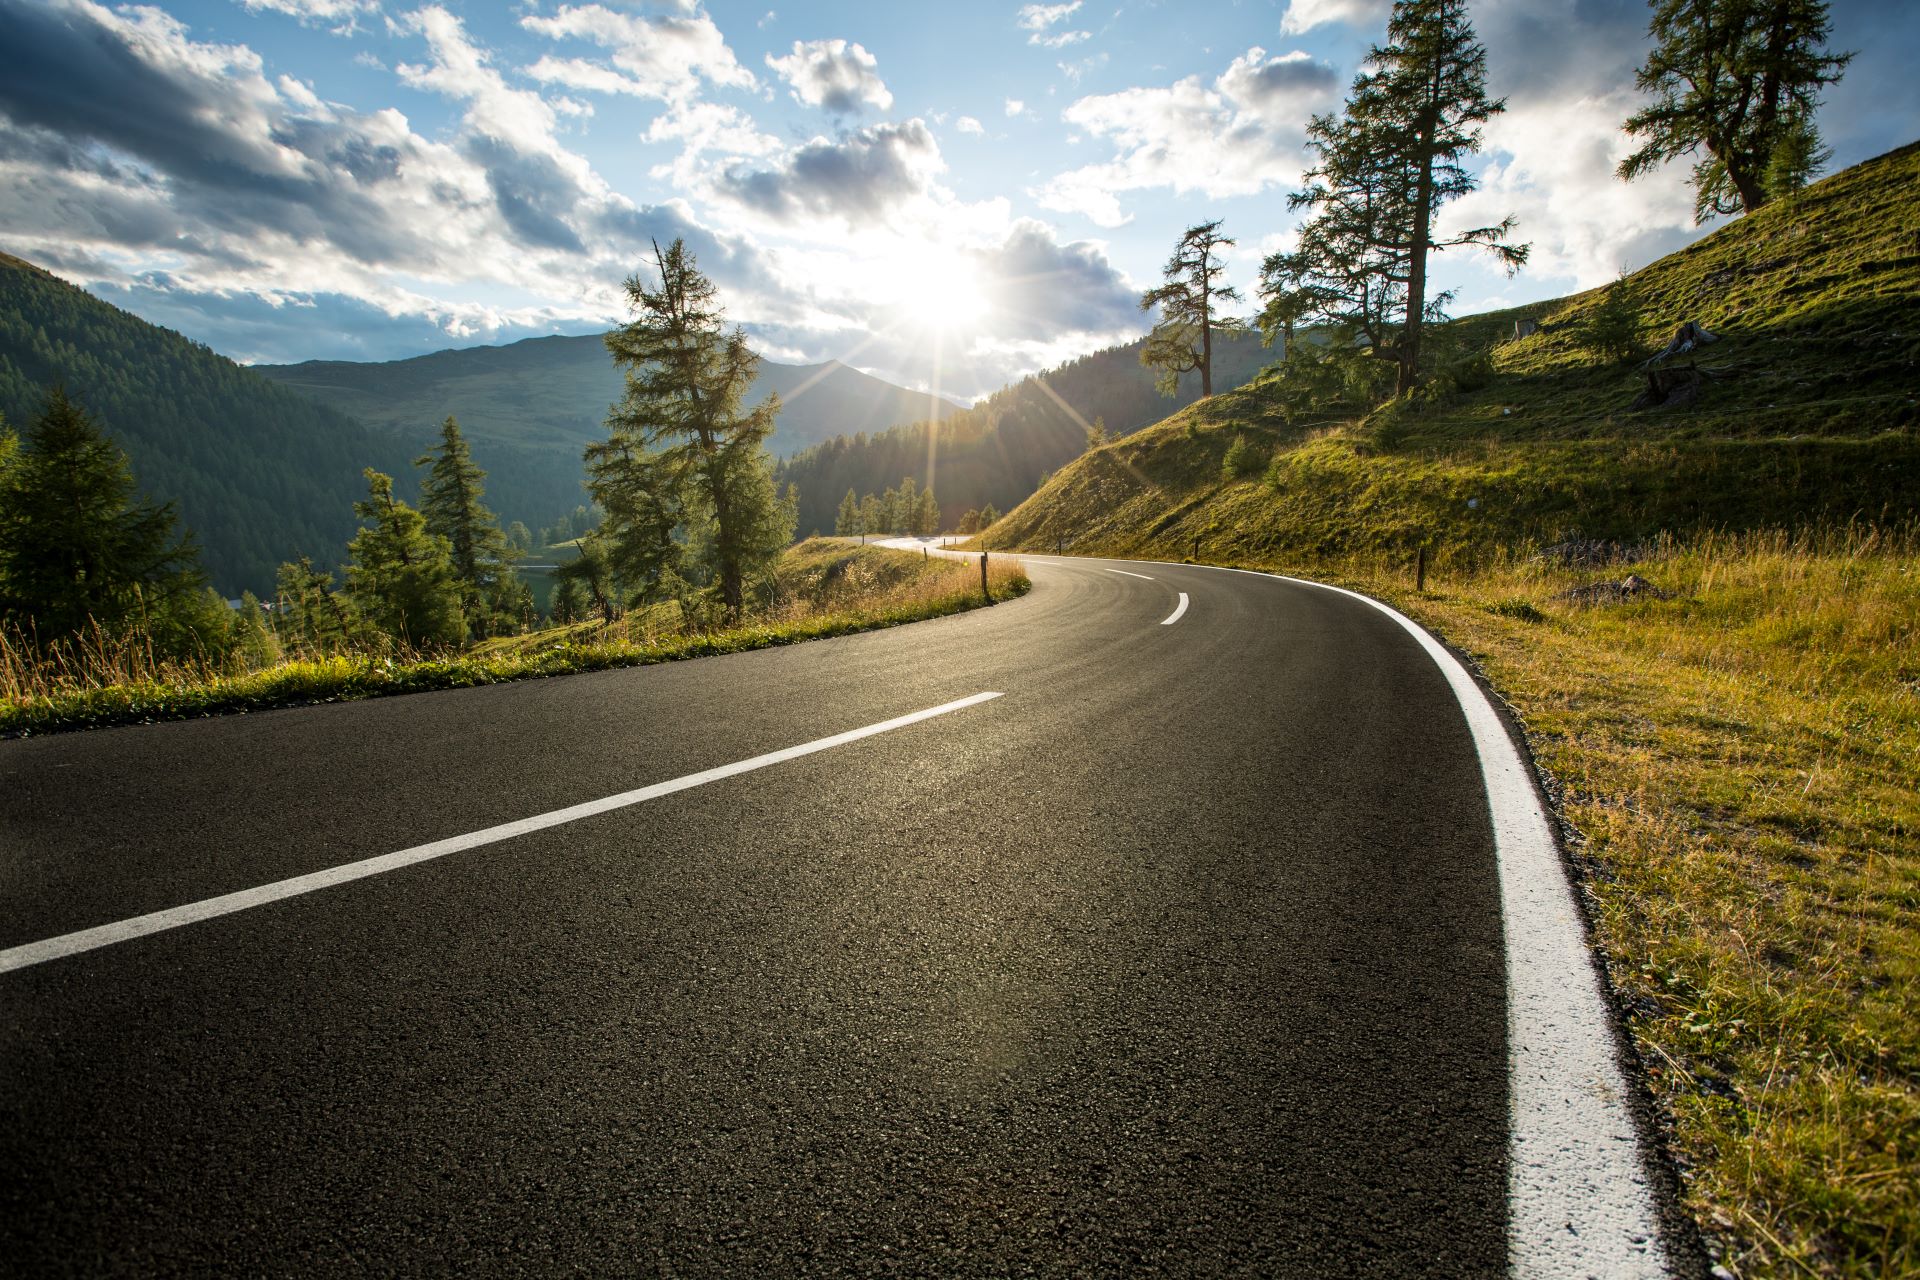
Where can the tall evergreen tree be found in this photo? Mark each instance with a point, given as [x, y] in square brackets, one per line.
[450, 501]
[926, 515]
[686, 376]
[847, 522]
[399, 576]
[1182, 340]
[1738, 80]
[1382, 171]
[77, 545]
[309, 614]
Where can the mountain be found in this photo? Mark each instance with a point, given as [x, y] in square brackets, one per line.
[1001, 450]
[530, 407]
[1802, 415]
[259, 473]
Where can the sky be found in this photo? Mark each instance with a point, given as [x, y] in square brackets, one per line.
[948, 196]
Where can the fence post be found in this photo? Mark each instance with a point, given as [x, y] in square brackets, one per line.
[1420, 570]
[1196, 548]
[984, 590]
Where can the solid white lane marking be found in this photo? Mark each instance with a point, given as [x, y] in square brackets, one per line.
[106, 935]
[1129, 573]
[1179, 609]
[1579, 1203]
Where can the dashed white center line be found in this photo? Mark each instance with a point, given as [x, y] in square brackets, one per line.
[1179, 609]
[1130, 574]
[105, 935]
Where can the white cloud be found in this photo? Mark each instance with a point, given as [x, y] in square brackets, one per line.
[862, 178]
[833, 74]
[1235, 137]
[1015, 107]
[967, 124]
[343, 15]
[1039, 19]
[1305, 15]
[664, 57]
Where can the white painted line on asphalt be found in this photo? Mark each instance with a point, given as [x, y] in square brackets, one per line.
[1579, 1203]
[1179, 609]
[68, 944]
[1129, 573]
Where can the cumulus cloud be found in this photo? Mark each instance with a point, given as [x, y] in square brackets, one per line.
[859, 178]
[137, 155]
[833, 74]
[967, 124]
[1038, 21]
[1235, 137]
[1305, 15]
[664, 57]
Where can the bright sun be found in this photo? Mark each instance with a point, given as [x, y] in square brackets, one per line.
[941, 293]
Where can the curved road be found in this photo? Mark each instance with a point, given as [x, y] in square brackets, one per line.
[1183, 955]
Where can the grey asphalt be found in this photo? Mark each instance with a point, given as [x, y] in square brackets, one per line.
[1182, 957]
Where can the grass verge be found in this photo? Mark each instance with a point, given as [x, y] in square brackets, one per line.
[822, 589]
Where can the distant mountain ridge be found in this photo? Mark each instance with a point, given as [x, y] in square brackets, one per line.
[259, 473]
[530, 407]
[1003, 448]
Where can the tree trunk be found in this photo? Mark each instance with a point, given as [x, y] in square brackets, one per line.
[1206, 336]
[1422, 230]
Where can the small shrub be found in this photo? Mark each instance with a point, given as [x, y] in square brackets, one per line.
[1244, 460]
[1610, 328]
[1515, 608]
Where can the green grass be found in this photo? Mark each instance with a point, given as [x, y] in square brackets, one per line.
[828, 589]
[1740, 760]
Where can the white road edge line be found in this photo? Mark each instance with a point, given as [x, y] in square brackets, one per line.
[1578, 1200]
[1130, 573]
[106, 935]
[1178, 609]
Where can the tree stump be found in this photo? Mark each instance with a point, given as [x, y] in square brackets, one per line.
[1670, 389]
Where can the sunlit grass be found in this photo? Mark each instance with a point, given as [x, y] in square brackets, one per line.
[822, 589]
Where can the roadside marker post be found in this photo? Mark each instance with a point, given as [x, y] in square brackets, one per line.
[984, 590]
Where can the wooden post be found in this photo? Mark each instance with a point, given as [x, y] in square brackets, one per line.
[1061, 548]
[984, 590]
[1420, 570]
[1196, 548]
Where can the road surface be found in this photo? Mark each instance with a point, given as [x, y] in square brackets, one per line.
[1184, 954]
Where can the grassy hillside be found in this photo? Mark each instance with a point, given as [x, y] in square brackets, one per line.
[260, 474]
[1001, 450]
[530, 407]
[1817, 303]
[1734, 751]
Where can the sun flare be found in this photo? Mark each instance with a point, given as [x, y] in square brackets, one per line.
[941, 293]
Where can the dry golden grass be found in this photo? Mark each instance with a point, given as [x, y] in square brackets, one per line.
[1742, 764]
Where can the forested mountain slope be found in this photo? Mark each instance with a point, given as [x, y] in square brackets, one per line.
[261, 474]
[1000, 450]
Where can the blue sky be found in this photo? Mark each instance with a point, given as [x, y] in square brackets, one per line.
[946, 195]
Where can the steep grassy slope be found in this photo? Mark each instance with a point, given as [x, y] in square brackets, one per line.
[1001, 450]
[1810, 418]
[260, 473]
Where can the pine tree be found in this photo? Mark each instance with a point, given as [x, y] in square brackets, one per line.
[309, 615]
[450, 501]
[847, 522]
[77, 546]
[926, 515]
[1182, 340]
[686, 375]
[907, 503]
[1382, 171]
[988, 515]
[400, 577]
[1738, 80]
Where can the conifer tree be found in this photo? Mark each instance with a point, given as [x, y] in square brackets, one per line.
[686, 375]
[1738, 80]
[450, 501]
[1182, 340]
[77, 546]
[847, 522]
[926, 515]
[1382, 171]
[400, 577]
[907, 503]
[308, 613]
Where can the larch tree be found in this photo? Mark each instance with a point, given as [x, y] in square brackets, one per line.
[682, 422]
[1382, 171]
[450, 502]
[399, 576]
[926, 515]
[847, 522]
[1182, 339]
[1736, 83]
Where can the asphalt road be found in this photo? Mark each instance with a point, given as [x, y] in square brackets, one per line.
[1182, 956]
